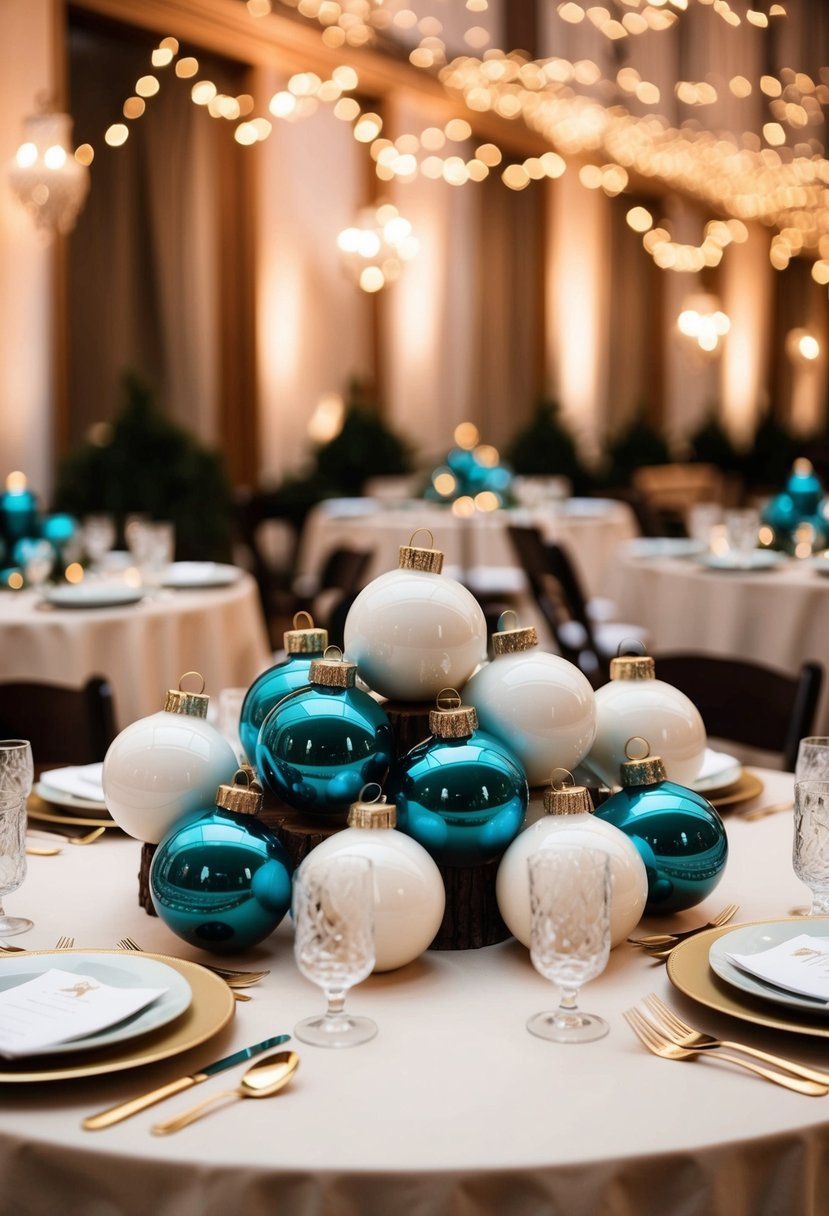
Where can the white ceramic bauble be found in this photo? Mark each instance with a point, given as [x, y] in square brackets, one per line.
[413, 632]
[539, 705]
[163, 766]
[409, 895]
[635, 703]
[629, 879]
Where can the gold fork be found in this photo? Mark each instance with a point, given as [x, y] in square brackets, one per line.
[687, 1036]
[656, 1042]
[86, 838]
[658, 940]
[236, 979]
[63, 943]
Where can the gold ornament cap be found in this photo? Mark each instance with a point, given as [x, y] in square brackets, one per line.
[375, 815]
[641, 770]
[193, 704]
[632, 667]
[245, 796]
[333, 670]
[305, 638]
[413, 557]
[567, 799]
[452, 720]
[512, 639]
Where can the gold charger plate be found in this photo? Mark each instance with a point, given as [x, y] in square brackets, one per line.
[690, 973]
[747, 786]
[37, 809]
[209, 1011]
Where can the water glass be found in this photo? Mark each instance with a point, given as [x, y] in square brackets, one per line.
[702, 517]
[333, 910]
[16, 777]
[152, 546]
[569, 934]
[810, 852]
[98, 538]
[812, 762]
[742, 528]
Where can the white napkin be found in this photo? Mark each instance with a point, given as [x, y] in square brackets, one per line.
[799, 965]
[81, 780]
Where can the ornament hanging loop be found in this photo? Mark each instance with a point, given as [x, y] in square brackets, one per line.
[245, 777]
[426, 532]
[631, 646]
[507, 620]
[448, 699]
[303, 620]
[371, 785]
[564, 782]
[333, 654]
[198, 676]
[634, 739]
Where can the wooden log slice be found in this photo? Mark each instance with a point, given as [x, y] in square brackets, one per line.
[471, 919]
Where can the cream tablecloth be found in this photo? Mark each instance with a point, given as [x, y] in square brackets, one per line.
[141, 648]
[453, 1110]
[777, 616]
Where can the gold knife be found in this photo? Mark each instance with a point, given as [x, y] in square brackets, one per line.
[124, 1110]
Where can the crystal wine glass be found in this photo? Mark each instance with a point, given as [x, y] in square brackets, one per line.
[812, 762]
[16, 776]
[333, 909]
[569, 934]
[98, 538]
[810, 852]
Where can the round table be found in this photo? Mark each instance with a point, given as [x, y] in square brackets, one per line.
[775, 616]
[453, 1108]
[141, 648]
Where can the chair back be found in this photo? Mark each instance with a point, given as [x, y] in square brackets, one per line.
[64, 725]
[748, 703]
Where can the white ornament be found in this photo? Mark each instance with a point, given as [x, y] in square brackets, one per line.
[539, 705]
[165, 765]
[409, 895]
[629, 879]
[413, 631]
[636, 703]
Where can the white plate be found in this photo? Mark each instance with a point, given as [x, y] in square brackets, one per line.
[664, 546]
[93, 595]
[718, 770]
[760, 559]
[820, 563]
[751, 939]
[120, 970]
[72, 802]
[185, 575]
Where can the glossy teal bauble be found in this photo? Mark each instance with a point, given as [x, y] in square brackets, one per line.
[679, 835]
[220, 879]
[460, 793]
[320, 745]
[302, 646]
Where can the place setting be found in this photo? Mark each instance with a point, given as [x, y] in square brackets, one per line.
[71, 797]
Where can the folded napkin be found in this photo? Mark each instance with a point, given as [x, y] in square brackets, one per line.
[80, 780]
[799, 965]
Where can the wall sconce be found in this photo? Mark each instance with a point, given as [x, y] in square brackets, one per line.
[802, 347]
[375, 249]
[45, 175]
[703, 322]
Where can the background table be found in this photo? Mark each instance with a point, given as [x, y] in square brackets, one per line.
[777, 616]
[144, 648]
[453, 1109]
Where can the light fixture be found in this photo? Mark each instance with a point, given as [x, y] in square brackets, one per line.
[703, 322]
[802, 347]
[45, 175]
[375, 248]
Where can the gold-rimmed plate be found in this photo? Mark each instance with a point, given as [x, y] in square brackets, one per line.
[747, 786]
[211, 1008]
[690, 973]
[37, 810]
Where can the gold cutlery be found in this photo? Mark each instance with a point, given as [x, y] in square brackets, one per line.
[656, 1042]
[114, 1114]
[235, 979]
[63, 943]
[760, 812]
[86, 838]
[262, 1080]
[657, 940]
[34, 850]
[684, 1035]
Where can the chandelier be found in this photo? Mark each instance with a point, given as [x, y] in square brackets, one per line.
[45, 175]
[376, 247]
[703, 322]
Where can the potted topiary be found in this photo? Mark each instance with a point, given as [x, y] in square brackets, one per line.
[545, 447]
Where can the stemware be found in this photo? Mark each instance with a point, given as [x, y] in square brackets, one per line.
[98, 538]
[812, 762]
[16, 777]
[810, 851]
[569, 935]
[742, 525]
[333, 910]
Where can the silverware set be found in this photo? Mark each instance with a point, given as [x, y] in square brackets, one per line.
[233, 979]
[38, 850]
[660, 945]
[664, 1033]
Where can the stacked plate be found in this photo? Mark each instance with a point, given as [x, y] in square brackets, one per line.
[724, 781]
[71, 795]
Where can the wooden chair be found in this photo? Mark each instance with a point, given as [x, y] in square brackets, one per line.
[748, 703]
[340, 580]
[64, 725]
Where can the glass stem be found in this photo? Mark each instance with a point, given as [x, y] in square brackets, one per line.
[336, 1005]
[568, 1001]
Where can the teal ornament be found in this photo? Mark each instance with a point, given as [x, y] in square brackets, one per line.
[800, 502]
[320, 745]
[460, 793]
[302, 645]
[679, 835]
[220, 879]
[18, 510]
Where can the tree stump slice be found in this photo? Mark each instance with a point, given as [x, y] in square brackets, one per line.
[296, 831]
[145, 900]
[409, 723]
[471, 919]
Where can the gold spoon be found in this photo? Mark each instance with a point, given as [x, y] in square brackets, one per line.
[262, 1079]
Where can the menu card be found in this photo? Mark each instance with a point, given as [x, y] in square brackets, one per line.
[58, 1006]
[799, 965]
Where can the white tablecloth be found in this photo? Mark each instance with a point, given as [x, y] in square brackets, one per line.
[476, 550]
[777, 616]
[453, 1110]
[143, 648]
